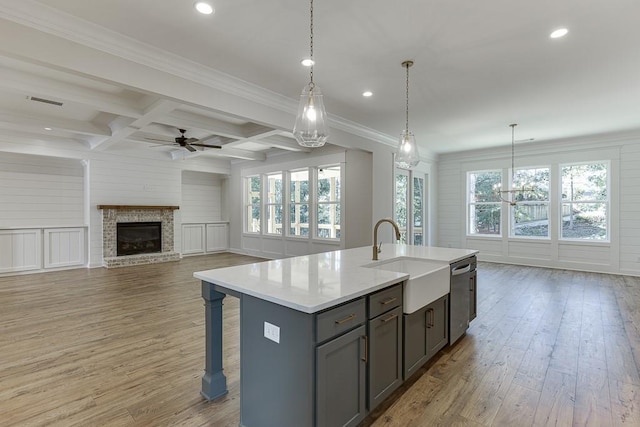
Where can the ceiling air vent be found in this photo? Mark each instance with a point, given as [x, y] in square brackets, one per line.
[45, 101]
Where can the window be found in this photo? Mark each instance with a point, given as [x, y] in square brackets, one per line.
[530, 217]
[299, 199]
[252, 204]
[328, 202]
[410, 202]
[273, 205]
[483, 204]
[585, 201]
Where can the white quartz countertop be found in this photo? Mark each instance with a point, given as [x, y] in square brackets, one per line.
[312, 283]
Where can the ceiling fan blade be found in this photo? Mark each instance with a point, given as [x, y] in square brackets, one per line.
[190, 148]
[158, 139]
[190, 140]
[207, 146]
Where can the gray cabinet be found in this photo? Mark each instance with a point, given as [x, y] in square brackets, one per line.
[341, 365]
[437, 326]
[425, 333]
[341, 380]
[385, 344]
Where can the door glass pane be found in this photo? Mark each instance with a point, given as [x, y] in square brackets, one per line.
[418, 211]
[402, 196]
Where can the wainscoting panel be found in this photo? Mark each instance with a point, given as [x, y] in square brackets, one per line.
[64, 247]
[193, 239]
[20, 250]
[217, 237]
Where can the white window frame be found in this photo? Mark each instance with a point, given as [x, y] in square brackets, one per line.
[248, 204]
[290, 203]
[607, 202]
[334, 228]
[512, 221]
[470, 204]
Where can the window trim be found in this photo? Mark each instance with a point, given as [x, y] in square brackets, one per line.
[607, 202]
[511, 220]
[469, 203]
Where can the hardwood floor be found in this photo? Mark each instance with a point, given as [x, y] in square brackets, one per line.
[125, 347]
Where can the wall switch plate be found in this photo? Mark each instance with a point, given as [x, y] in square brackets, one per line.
[272, 332]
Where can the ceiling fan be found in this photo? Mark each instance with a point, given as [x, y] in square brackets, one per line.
[188, 143]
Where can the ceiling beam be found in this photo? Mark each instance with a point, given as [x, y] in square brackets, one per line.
[22, 83]
[122, 128]
[11, 120]
[283, 143]
[222, 152]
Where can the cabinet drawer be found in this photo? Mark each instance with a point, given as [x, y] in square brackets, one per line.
[385, 300]
[340, 319]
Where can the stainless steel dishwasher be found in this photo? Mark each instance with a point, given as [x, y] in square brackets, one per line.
[459, 300]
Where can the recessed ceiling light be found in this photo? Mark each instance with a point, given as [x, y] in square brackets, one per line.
[48, 128]
[204, 8]
[560, 32]
[367, 93]
[307, 62]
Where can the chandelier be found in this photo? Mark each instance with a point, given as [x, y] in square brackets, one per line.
[514, 195]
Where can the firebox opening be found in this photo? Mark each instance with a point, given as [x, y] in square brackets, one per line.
[138, 238]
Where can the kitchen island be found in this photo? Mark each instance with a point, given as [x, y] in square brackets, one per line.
[315, 332]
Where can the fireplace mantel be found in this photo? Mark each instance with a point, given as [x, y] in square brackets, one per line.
[123, 207]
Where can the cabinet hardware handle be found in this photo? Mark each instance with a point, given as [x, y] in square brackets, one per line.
[346, 319]
[366, 349]
[389, 318]
[388, 301]
[430, 318]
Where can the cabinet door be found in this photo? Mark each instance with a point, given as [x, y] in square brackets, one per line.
[385, 355]
[193, 239]
[473, 297]
[341, 380]
[415, 341]
[217, 237]
[437, 326]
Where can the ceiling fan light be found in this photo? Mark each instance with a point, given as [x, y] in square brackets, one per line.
[310, 129]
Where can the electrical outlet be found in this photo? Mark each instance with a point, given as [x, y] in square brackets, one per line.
[272, 332]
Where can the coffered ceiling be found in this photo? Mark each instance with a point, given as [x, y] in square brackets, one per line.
[479, 66]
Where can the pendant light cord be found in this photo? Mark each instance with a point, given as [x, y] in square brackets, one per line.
[513, 169]
[407, 65]
[311, 85]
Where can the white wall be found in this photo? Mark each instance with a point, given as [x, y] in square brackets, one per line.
[202, 198]
[38, 191]
[620, 255]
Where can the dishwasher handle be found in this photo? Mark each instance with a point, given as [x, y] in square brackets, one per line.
[461, 270]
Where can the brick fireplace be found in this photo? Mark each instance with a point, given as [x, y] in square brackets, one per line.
[112, 215]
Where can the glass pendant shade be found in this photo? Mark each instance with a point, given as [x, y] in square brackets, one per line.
[310, 129]
[407, 155]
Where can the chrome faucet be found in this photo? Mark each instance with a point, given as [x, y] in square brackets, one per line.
[378, 247]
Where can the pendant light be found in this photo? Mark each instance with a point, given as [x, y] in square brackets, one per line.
[515, 195]
[310, 129]
[407, 155]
